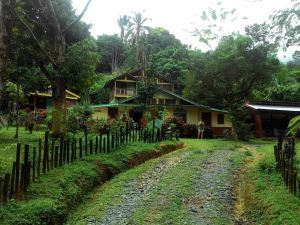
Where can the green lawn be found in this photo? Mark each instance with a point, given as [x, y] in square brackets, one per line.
[8, 145]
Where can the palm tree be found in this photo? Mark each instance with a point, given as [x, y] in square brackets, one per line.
[137, 29]
[124, 23]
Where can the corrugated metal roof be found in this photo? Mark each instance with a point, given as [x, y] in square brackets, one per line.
[274, 107]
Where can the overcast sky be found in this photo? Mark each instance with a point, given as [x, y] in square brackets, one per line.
[180, 17]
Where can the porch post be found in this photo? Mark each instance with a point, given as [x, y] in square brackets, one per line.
[258, 125]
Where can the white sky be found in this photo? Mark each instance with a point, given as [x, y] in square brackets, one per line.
[180, 17]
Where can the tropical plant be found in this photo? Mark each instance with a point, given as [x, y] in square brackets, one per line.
[136, 30]
[137, 27]
[294, 125]
[124, 23]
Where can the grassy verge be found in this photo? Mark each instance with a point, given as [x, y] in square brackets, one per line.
[264, 196]
[52, 197]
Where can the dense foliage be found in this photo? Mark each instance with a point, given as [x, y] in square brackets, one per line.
[61, 53]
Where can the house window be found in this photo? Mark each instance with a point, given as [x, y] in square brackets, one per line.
[170, 101]
[161, 101]
[153, 101]
[221, 119]
[181, 113]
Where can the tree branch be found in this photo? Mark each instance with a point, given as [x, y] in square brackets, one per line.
[53, 16]
[46, 72]
[34, 37]
[78, 18]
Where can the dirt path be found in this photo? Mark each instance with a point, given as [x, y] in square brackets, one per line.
[211, 200]
[188, 187]
[137, 190]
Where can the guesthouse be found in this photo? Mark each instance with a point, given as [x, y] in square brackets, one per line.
[124, 98]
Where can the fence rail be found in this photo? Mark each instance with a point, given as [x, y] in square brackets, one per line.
[285, 153]
[51, 154]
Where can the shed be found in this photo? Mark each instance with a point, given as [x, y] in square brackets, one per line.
[272, 118]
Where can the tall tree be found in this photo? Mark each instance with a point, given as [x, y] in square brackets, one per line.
[5, 32]
[285, 24]
[136, 30]
[228, 76]
[112, 53]
[124, 23]
[51, 24]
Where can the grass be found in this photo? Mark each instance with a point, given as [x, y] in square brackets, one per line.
[267, 201]
[8, 145]
[157, 208]
[52, 197]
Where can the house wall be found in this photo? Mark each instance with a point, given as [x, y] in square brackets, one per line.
[214, 122]
[100, 113]
[192, 115]
[170, 110]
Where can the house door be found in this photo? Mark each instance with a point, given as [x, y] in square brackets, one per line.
[206, 117]
[113, 113]
[136, 115]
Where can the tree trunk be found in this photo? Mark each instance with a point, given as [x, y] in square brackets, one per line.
[17, 111]
[4, 37]
[59, 110]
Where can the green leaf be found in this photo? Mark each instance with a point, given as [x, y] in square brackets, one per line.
[294, 125]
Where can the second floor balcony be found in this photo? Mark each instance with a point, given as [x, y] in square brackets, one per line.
[125, 92]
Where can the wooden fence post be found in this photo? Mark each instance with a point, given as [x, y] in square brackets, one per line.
[33, 164]
[39, 158]
[12, 183]
[91, 146]
[68, 151]
[65, 152]
[104, 145]
[5, 187]
[113, 142]
[80, 147]
[1, 190]
[52, 153]
[45, 155]
[61, 151]
[17, 182]
[75, 150]
[100, 143]
[22, 180]
[72, 151]
[86, 143]
[96, 147]
[56, 157]
[26, 167]
[107, 142]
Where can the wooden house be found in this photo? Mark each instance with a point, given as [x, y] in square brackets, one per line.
[43, 100]
[124, 98]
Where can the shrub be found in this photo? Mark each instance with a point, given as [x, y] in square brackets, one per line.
[189, 130]
[102, 126]
[79, 118]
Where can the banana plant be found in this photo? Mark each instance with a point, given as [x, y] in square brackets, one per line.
[294, 125]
